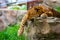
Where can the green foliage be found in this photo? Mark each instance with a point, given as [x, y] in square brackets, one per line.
[16, 7]
[11, 33]
[23, 7]
[57, 9]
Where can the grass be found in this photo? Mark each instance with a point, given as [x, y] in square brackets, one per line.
[11, 33]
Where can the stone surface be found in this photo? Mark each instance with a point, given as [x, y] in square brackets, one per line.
[2, 25]
[43, 30]
[10, 17]
[52, 3]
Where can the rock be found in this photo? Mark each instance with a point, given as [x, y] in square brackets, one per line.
[2, 25]
[52, 3]
[10, 17]
[43, 30]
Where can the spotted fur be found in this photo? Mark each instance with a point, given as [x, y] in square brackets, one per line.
[36, 11]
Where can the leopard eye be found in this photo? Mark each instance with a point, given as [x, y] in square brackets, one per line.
[37, 9]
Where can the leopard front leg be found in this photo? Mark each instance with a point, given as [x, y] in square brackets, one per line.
[21, 29]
